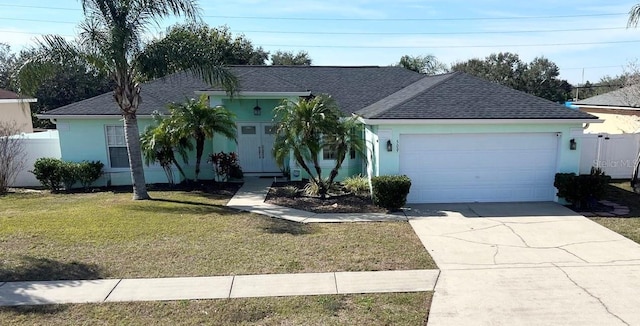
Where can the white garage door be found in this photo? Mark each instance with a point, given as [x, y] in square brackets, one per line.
[479, 167]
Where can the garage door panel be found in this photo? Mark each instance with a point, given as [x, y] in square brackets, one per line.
[479, 167]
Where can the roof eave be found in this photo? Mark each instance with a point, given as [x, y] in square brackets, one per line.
[606, 107]
[472, 121]
[256, 94]
[84, 116]
[18, 100]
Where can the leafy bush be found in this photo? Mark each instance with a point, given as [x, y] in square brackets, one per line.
[68, 174]
[357, 184]
[225, 165]
[49, 172]
[582, 190]
[53, 173]
[89, 172]
[390, 191]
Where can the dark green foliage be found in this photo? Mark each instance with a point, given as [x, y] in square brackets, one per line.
[390, 191]
[226, 165]
[582, 190]
[197, 44]
[88, 172]
[53, 173]
[540, 77]
[49, 172]
[285, 58]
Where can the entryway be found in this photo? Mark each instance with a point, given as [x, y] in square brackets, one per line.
[255, 147]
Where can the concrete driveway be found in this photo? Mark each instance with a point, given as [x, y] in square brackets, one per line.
[527, 264]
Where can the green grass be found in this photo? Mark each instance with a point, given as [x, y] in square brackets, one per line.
[620, 192]
[369, 309]
[107, 235]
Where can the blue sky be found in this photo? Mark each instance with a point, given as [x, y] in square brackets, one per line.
[591, 35]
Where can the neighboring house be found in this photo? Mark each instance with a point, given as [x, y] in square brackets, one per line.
[459, 138]
[16, 109]
[621, 114]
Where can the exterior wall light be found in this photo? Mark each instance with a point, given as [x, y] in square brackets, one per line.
[389, 146]
[572, 144]
[257, 110]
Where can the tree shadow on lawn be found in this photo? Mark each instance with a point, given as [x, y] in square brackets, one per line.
[185, 207]
[278, 226]
[42, 269]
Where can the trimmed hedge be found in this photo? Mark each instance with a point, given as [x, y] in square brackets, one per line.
[582, 190]
[390, 191]
[54, 173]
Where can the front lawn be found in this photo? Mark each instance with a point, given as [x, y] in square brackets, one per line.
[620, 192]
[107, 235]
[364, 309]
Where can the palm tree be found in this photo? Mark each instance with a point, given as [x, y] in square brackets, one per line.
[634, 16]
[307, 126]
[161, 142]
[111, 41]
[196, 119]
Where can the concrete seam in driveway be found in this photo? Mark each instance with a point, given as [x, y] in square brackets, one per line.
[591, 295]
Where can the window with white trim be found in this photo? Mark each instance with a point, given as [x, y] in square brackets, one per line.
[117, 146]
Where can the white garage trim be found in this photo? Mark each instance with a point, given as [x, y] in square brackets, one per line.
[479, 167]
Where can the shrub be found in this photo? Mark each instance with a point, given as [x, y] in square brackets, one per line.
[89, 172]
[225, 165]
[68, 174]
[49, 172]
[390, 191]
[357, 184]
[582, 190]
[53, 173]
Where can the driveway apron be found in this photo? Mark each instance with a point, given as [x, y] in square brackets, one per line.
[527, 264]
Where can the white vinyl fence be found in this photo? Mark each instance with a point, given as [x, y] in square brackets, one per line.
[615, 154]
[36, 145]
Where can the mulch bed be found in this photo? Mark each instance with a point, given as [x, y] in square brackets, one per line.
[280, 194]
[225, 189]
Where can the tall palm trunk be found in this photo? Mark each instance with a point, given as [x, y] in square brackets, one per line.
[200, 138]
[132, 137]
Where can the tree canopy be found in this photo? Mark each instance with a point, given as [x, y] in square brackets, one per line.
[289, 58]
[424, 64]
[538, 77]
[199, 42]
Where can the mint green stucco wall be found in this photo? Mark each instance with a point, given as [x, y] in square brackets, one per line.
[243, 109]
[386, 163]
[84, 139]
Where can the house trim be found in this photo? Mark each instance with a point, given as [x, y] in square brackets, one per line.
[606, 107]
[276, 95]
[85, 117]
[472, 121]
[18, 100]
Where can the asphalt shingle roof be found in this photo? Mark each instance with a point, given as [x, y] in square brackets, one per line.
[372, 92]
[461, 96]
[8, 95]
[352, 87]
[622, 97]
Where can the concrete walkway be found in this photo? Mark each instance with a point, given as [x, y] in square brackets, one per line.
[217, 287]
[528, 264]
[251, 196]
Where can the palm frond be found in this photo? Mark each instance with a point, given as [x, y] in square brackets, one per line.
[634, 16]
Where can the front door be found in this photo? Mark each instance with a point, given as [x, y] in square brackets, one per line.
[255, 146]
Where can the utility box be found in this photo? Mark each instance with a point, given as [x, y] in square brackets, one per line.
[296, 174]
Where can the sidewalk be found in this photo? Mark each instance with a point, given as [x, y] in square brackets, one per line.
[216, 287]
[251, 198]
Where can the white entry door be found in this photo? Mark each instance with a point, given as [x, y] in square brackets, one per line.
[255, 147]
[479, 167]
